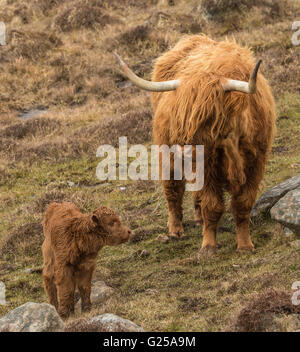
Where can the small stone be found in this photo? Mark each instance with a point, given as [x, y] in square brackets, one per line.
[151, 291]
[162, 238]
[70, 183]
[144, 253]
[295, 244]
[32, 317]
[33, 270]
[287, 231]
[114, 323]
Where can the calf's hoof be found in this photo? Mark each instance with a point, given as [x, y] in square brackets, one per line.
[86, 308]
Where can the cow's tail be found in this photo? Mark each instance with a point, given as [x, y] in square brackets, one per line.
[234, 162]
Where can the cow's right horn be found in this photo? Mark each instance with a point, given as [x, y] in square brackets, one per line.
[147, 85]
[241, 86]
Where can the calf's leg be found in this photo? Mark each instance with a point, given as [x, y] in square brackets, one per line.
[50, 289]
[84, 283]
[65, 282]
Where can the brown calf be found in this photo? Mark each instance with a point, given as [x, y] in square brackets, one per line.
[72, 243]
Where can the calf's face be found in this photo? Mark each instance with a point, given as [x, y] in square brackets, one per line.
[110, 224]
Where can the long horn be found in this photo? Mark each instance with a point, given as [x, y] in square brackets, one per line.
[241, 86]
[147, 85]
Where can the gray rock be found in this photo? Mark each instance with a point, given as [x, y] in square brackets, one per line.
[268, 199]
[287, 210]
[32, 317]
[103, 323]
[113, 323]
[99, 293]
[295, 244]
[163, 238]
[287, 231]
[37, 270]
[145, 253]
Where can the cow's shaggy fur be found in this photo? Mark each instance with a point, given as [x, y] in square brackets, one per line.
[235, 128]
[72, 242]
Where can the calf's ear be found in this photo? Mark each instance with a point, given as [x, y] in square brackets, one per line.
[95, 219]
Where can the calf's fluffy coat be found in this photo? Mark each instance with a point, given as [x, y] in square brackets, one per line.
[72, 243]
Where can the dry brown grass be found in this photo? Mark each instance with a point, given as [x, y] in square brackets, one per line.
[83, 14]
[259, 314]
[25, 241]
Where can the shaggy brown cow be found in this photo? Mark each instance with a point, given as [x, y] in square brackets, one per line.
[213, 96]
[72, 242]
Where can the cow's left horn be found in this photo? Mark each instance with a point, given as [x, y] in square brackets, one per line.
[241, 86]
[147, 85]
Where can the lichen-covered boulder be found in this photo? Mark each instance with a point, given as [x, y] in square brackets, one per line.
[100, 292]
[32, 317]
[103, 323]
[270, 198]
[287, 210]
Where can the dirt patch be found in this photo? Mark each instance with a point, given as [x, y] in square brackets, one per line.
[189, 304]
[259, 313]
[142, 235]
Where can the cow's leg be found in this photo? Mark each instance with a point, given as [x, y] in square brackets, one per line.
[242, 203]
[212, 205]
[174, 191]
[50, 289]
[197, 208]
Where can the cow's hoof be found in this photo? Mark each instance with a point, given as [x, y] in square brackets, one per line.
[176, 235]
[207, 251]
[246, 249]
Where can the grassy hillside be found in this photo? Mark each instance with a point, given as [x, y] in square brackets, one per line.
[59, 58]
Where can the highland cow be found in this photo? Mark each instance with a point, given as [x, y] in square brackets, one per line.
[210, 93]
[72, 243]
